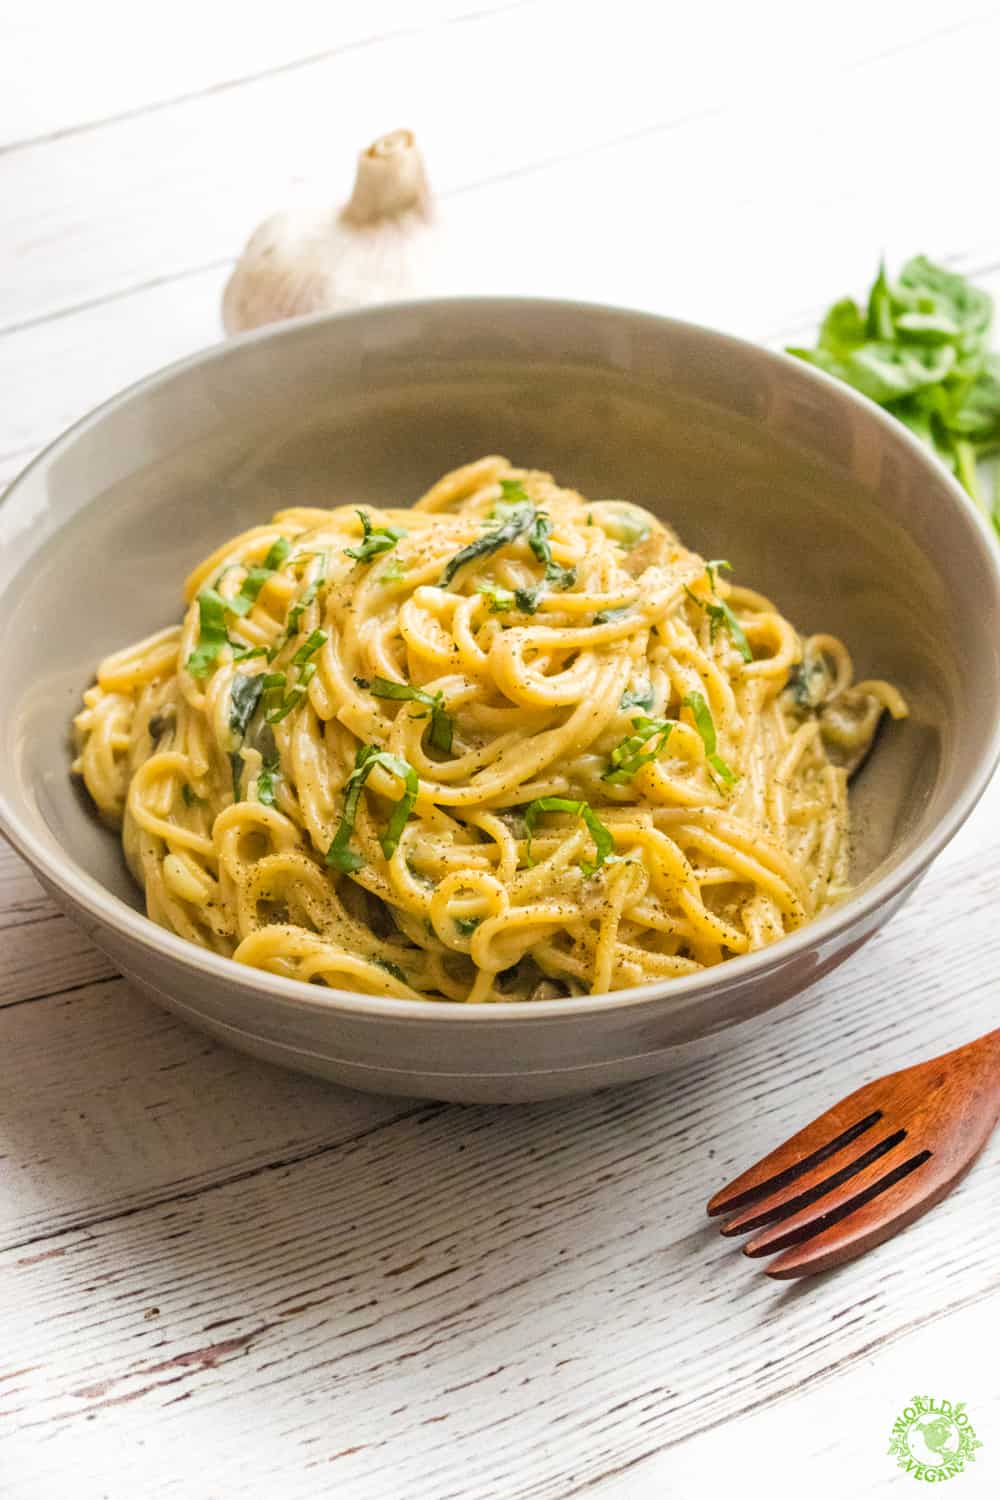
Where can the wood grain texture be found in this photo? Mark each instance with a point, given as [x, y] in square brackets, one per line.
[218, 1280]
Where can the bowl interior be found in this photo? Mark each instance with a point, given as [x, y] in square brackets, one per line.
[814, 499]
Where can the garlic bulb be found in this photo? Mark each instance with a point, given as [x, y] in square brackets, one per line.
[379, 247]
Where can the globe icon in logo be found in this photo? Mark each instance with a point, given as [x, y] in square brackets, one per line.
[933, 1440]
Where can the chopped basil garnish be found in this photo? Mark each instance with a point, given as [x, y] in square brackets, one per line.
[705, 725]
[191, 798]
[211, 632]
[441, 727]
[375, 539]
[244, 697]
[465, 925]
[309, 648]
[247, 653]
[603, 841]
[339, 856]
[236, 766]
[605, 616]
[640, 696]
[501, 599]
[390, 968]
[257, 577]
[538, 541]
[719, 613]
[514, 521]
[629, 757]
[266, 777]
[626, 527]
[393, 573]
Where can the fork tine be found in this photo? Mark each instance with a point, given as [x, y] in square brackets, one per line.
[863, 1227]
[808, 1187]
[808, 1148]
[853, 1196]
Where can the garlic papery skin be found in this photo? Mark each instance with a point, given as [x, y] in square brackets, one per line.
[381, 246]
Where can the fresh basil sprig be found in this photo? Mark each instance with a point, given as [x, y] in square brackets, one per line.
[920, 349]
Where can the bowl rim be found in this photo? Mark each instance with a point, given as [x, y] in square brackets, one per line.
[86, 892]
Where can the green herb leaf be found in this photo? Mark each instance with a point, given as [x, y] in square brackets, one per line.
[605, 616]
[390, 968]
[236, 766]
[244, 695]
[705, 725]
[719, 613]
[442, 725]
[375, 539]
[266, 777]
[466, 925]
[603, 840]
[501, 599]
[339, 856]
[639, 696]
[517, 519]
[211, 632]
[393, 573]
[257, 577]
[538, 540]
[921, 352]
[628, 757]
[626, 527]
[309, 648]
[191, 798]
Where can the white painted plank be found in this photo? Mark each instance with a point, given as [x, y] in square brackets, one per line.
[136, 1108]
[138, 58]
[177, 189]
[831, 1439]
[488, 1302]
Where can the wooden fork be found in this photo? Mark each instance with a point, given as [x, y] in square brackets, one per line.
[871, 1165]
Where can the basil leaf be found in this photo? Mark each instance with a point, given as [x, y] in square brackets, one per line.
[514, 524]
[211, 632]
[339, 856]
[390, 968]
[628, 757]
[309, 648]
[266, 777]
[244, 696]
[640, 696]
[719, 613]
[626, 527]
[603, 840]
[375, 539]
[466, 925]
[705, 725]
[257, 577]
[236, 766]
[605, 616]
[441, 727]
[501, 599]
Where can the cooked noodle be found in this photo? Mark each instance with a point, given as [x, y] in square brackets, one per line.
[336, 767]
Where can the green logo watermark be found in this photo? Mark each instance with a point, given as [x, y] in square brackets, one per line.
[933, 1440]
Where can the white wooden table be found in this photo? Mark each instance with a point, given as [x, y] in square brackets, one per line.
[219, 1280]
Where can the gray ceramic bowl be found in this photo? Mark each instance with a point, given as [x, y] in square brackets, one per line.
[816, 497]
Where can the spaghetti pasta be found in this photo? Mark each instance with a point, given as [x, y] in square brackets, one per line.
[504, 744]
